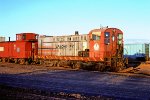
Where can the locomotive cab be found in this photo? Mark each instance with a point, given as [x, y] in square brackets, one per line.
[106, 44]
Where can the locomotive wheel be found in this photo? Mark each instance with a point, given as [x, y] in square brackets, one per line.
[41, 61]
[8, 60]
[100, 67]
[26, 62]
[37, 61]
[76, 65]
[116, 66]
[87, 66]
[33, 62]
[51, 64]
[3, 60]
[16, 61]
[22, 61]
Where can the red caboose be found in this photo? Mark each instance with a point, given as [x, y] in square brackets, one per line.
[20, 51]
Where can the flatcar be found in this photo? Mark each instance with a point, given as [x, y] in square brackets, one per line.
[101, 49]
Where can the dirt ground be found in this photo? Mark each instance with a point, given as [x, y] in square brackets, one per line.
[11, 68]
[57, 83]
[143, 68]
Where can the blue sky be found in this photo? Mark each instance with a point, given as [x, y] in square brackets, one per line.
[59, 17]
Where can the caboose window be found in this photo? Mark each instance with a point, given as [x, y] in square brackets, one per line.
[17, 37]
[23, 36]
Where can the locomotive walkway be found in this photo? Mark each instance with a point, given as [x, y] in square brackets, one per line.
[82, 82]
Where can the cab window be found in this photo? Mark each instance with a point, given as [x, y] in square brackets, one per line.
[107, 38]
[113, 37]
[107, 34]
[96, 35]
[107, 41]
[120, 37]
